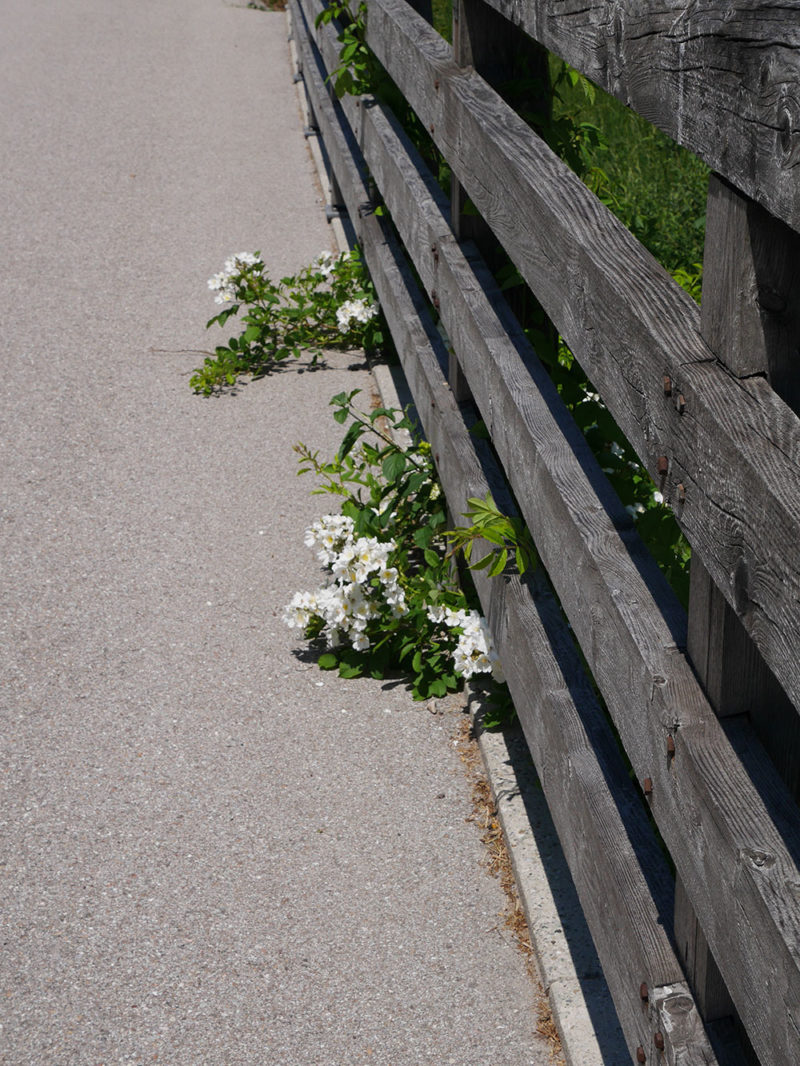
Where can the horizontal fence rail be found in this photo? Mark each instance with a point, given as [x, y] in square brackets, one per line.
[721, 80]
[733, 446]
[730, 824]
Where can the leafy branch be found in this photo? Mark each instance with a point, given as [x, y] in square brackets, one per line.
[508, 533]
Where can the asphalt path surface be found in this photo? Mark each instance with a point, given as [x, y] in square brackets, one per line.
[212, 852]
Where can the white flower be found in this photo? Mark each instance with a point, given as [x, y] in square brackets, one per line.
[298, 613]
[235, 264]
[658, 497]
[224, 283]
[324, 263]
[330, 534]
[354, 599]
[354, 311]
[475, 652]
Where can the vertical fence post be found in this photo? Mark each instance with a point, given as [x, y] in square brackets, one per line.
[500, 52]
[750, 318]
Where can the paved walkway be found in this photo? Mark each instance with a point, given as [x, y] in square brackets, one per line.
[212, 853]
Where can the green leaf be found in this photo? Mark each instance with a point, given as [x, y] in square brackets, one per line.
[499, 565]
[422, 536]
[350, 438]
[328, 661]
[483, 563]
[432, 558]
[394, 466]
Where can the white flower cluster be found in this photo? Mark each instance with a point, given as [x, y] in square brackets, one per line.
[223, 283]
[324, 263]
[352, 601]
[355, 311]
[475, 652]
[364, 584]
[329, 535]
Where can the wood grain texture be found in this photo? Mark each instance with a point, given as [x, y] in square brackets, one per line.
[729, 824]
[679, 1024]
[750, 318]
[590, 550]
[618, 867]
[733, 446]
[713, 1000]
[750, 313]
[720, 77]
[749, 260]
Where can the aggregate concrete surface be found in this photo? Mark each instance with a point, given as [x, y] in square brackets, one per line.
[212, 853]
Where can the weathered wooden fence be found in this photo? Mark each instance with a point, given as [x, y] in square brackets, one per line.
[705, 706]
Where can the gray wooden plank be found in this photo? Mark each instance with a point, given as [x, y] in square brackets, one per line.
[732, 446]
[678, 1025]
[750, 317]
[720, 827]
[617, 864]
[667, 686]
[350, 172]
[721, 78]
[489, 44]
[749, 260]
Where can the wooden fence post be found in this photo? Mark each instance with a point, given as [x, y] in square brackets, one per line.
[750, 318]
[499, 51]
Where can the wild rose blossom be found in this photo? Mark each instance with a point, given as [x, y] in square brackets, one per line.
[347, 606]
[329, 534]
[360, 311]
[475, 652]
[224, 283]
[325, 262]
[364, 584]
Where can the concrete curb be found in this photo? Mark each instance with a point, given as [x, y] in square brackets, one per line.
[568, 967]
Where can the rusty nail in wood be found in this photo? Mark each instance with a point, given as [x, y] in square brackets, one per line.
[667, 385]
[663, 465]
[431, 127]
[436, 85]
[435, 299]
[671, 746]
[658, 1040]
[681, 494]
[640, 1055]
[647, 784]
[680, 404]
[644, 992]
